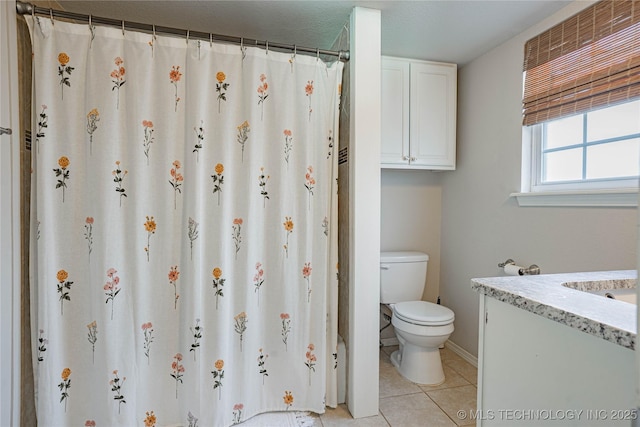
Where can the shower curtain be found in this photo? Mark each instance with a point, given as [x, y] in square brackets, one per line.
[184, 229]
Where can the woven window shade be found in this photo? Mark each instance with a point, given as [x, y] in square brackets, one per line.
[589, 61]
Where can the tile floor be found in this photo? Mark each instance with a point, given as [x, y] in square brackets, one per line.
[405, 404]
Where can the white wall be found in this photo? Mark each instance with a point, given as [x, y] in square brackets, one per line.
[481, 225]
[410, 218]
[364, 217]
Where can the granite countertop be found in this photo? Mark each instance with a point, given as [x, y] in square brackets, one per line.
[562, 298]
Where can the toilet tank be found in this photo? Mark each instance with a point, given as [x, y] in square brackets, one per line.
[402, 276]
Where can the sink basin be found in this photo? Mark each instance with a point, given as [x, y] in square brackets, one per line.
[621, 290]
[627, 295]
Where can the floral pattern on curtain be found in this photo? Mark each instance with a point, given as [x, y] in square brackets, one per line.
[184, 246]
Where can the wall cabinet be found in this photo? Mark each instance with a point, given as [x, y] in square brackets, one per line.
[418, 114]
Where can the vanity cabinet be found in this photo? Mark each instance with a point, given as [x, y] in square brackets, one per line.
[533, 370]
[418, 114]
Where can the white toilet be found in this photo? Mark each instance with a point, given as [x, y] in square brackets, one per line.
[421, 327]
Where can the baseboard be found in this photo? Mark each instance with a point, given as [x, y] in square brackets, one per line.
[462, 352]
[389, 342]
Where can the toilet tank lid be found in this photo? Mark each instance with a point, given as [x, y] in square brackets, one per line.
[403, 256]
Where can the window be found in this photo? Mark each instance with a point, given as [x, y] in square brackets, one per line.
[598, 149]
[581, 101]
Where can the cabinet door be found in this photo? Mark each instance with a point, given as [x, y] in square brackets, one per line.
[521, 353]
[433, 115]
[394, 112]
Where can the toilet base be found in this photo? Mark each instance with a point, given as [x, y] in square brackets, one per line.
[419, 365]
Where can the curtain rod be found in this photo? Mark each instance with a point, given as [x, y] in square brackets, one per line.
[24, 8]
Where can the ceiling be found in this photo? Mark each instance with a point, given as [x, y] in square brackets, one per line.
[441, 30]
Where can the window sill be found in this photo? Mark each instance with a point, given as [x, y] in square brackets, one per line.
[627, 198]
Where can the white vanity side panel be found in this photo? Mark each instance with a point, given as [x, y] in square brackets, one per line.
[527, 362]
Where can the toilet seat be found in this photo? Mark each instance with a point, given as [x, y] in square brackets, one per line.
[423, 313]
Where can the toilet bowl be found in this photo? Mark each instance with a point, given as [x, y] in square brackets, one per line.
[421, 327]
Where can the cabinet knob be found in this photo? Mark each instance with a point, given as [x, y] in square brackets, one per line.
[405, 158]
[413, 159]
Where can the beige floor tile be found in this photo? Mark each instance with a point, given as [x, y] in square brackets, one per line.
[464, 368]
[451, 379]
[385, 354]
[391, 382]
[456, 399]
[389, 349]
[413, 410]
[447, 354]
[405, 404]
[341, 417]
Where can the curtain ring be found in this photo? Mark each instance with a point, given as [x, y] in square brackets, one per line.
[267, 43]
[187, 36]
[51, 16]
[295, 51]
[92, 30]
[123, 27]
[35, 18]
[243, 49]
[210, 40]
[153, 38]
[317, 54]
